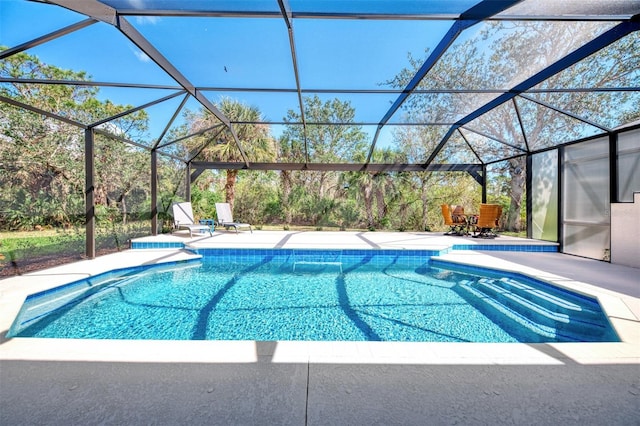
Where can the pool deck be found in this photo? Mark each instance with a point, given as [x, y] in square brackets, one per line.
[55, 381]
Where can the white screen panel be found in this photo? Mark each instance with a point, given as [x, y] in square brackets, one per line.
[544, 194]
[586, 217]
[628, 165]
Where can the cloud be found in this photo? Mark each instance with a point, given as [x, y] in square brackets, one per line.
[142, 57]
[143, 5]
[138, 4]
[142, 20]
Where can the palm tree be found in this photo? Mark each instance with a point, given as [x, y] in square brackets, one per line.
[255, 139]
[372, 188]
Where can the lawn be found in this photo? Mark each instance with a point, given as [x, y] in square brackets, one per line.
[27, 251]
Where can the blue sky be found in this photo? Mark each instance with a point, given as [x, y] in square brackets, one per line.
[248, 54]
[231, 52]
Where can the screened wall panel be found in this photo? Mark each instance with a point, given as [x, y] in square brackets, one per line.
[41, 193]
[628, 165]
[544, 192]
[586, 218]
[122, 194]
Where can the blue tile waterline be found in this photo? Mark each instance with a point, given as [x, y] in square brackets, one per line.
[141, 245]
[347, 257]
[508, 247]
[547, 248]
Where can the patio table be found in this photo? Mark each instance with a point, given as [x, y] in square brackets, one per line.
[211, 223]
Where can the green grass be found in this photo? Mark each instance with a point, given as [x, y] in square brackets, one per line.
[11, 241]
[15, 247]
[27, 250]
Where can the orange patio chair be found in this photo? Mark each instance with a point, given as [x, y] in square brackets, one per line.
[457, 226]
[488, 221]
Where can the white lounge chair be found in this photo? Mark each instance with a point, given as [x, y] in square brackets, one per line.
[183, 219]
[225, 218]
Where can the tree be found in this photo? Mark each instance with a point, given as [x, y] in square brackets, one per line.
[217, 145]
[377, 189]
[290, 150]
[120, 172]
[329, 138]
[39, 157]
[499, 56]
[42, 159]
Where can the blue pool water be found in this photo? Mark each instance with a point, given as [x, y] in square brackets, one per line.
[313, 295]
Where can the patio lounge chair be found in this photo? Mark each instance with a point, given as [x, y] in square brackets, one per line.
[458, 226]
[183, 219]
[225, 218]
[488, 220]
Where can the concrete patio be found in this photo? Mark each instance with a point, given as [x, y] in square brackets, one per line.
[56, 381]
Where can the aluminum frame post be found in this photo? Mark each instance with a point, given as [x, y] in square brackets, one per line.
[560, 199]
[187, 182]
[154, 192]
[89, 194]
[613, 168]
[484, 184]
[529, 196]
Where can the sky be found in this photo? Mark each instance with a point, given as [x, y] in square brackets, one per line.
[232, 52]
[249, 54]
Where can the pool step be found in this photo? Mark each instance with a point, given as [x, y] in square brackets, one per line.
[550, 323]
[567, 303]
[548, 309]
[316, 263]
[510, 314]
[317, 258]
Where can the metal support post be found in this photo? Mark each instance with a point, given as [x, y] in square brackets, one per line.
[90, 207]
[154, 192]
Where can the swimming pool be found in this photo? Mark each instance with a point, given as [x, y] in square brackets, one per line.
[325, 295]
